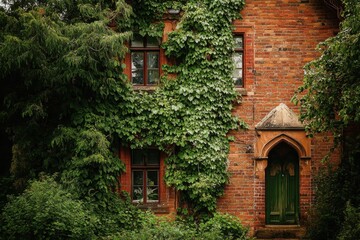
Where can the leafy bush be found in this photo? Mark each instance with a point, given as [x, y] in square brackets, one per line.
[119, 213]
[351, 226]
[221, 226]
[331, 217]
[46, 211]
[325, 218]
[229, 227]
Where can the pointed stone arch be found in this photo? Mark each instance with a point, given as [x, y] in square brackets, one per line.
[299, 148]
[281, 125]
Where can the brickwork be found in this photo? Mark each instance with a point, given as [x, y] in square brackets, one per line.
[280, 38]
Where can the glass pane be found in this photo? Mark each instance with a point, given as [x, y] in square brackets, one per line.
[138, 194]
[153, 157]
[137, 157]
[137, 41]
[238, 41]
[152, 178]
[238, 81]
[137, 67]
[237, 73]
[153, 60]
[152, 188]
[152, 194]
[237, 77]
[238, 59]
[152, 42]
[138, 178]
[138, 186]
[153, 76]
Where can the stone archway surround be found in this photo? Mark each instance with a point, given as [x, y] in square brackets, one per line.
[265, 142]
[281, 125]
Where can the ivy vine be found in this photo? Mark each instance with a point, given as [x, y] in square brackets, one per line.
[192, 114]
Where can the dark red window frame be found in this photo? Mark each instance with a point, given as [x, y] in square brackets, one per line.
[145, 167]
[145, 49]
[238, 49]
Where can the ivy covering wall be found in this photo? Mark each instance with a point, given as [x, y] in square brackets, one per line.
[67, 103]
[192, 114]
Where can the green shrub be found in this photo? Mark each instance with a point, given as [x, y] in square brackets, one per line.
[221, 226]
[334, 188]
[156, 228]
[119, 213]
[326, 215]
[46, 211]
[351, 226]
[228, 226]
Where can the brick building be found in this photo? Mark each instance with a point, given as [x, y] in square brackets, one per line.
[272, 165]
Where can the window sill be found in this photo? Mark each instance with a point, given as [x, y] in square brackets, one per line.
[154, 207]
[148, 88]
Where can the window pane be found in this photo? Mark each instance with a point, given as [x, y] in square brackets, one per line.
[153, 76]
[153, 60]
[238, 42]
[138, 178]
[152, 178]
[138, 186]
[153, 67]
[238, 59]
[152, 188]
[137, 67]
[152, 42]
[237, 74]
[152, 194]
[138, 194]
[137, 41]
[137, 157]
[237, 77]
[153, 157]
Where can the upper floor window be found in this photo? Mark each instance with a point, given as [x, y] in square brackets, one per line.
[145, 64]
[237, 57]
[145, 166]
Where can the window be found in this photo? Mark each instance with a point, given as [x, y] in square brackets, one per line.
[145, 66]
[237, 57]
[145, 166]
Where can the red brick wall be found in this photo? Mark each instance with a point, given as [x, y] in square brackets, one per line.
[280, 38]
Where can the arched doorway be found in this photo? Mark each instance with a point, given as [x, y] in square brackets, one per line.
[282, 185]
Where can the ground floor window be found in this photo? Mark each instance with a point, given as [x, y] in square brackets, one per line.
[145, 175]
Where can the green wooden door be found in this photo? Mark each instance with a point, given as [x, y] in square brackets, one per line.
[282, 186]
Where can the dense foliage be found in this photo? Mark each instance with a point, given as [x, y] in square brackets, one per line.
[67, 106]
[221, 226]
[335, 213]
[68, 101]
[60, 64]
[46, 211]
[331, 91]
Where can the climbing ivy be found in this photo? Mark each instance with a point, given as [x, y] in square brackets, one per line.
[67, 101]
[193, 112]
